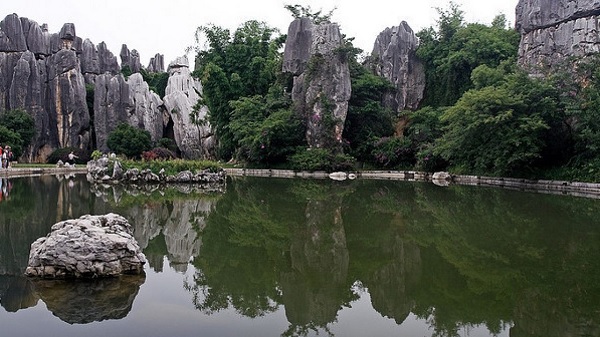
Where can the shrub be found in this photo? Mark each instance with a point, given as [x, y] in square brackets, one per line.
[158, 153]
[167, 143]
[393, 152]
[321, 160]
[172, 167]
[128, 140]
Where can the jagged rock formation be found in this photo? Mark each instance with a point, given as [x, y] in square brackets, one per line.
[394, 58]
[39, 73]
[552, 30]
[130, 59]
[193, 134]
[321, 79]
[148, 109]
[157, 64]
[47, 74]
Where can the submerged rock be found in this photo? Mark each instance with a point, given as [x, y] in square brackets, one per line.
[89, 247]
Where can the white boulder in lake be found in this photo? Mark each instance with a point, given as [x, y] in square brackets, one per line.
[88, 247]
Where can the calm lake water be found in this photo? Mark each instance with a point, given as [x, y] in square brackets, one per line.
[277, 257]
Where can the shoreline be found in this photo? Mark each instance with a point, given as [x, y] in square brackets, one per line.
[577, 189]
[18, 172]
[557, 187]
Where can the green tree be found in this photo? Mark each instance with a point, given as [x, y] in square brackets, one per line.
[265, 130]
[367, 120]
[494, 130]
[244, 64]
[128, 140]
[299, 11]
[17, 129]
[454, 49]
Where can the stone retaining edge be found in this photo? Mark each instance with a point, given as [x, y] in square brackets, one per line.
[37, 171]
[581, 189]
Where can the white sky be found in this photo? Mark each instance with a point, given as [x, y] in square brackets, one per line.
[168, 26]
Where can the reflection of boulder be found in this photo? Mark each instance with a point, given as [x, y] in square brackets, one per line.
[86, 301]
[16, 293]
[91, 246]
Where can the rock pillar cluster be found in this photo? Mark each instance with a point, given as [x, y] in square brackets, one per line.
[54, 76]
[40, 74]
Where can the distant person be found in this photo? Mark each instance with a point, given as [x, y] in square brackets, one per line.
[72, 157]
[5, 158]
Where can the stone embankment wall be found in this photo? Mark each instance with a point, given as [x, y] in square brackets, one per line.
[38, 171]
[580, 189]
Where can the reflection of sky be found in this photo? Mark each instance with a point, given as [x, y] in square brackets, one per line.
[163, 308]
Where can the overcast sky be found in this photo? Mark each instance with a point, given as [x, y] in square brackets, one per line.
[168, 26]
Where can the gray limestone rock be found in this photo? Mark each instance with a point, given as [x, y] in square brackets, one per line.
[553, 30]
[107, 60]
[147, 111]
[394, 58]
[89, 247]
[297, 46]
[67, 108]
[113, 104]
[89, 58]
[12, 38]
[193, 133]
[38, 40]
[130, 59]
[322, 91]
[157, 64]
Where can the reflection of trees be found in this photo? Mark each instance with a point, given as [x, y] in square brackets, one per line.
[266, 245]
[499, 247]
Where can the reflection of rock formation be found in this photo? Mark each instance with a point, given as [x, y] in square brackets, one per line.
[314, 290]
[178, 221]
[389, 286]
[181, 230]
[16, 293]
[81, 302]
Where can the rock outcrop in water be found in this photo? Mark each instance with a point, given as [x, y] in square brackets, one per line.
[88, 247]
[50, 76]
[394, 58]
[314, 56]
[552, 30]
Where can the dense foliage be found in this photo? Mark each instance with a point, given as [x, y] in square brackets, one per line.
[481, 113]
[240, 66]
[129, 141]
[17, 129]
[454, 49]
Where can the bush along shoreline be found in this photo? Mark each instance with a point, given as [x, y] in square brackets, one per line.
[111, 171]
